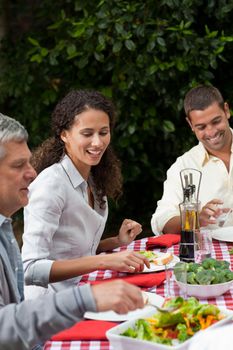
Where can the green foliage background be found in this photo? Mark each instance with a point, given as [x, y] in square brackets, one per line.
[145, 55]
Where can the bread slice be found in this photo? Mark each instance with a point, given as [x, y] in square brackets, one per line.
[164, 259]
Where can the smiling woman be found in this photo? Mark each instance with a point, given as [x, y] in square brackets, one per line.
[68, 208]
[87, 140]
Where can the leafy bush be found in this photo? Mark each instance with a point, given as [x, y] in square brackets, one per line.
[145, 55]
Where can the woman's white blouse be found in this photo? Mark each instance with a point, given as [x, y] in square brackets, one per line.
[59, 223]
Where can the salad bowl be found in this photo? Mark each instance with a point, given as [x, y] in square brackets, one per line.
[119, 341]
[204, 291]
[208, 279]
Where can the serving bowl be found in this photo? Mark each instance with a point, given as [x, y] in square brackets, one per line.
[120, 342]
[204, 291]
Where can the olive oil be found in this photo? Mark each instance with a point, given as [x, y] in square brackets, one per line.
[189, 225]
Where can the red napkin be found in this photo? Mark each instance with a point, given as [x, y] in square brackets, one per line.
[145, 280]
[166, 240]
[85, 330]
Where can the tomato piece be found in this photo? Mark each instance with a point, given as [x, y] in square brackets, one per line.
[173, 334]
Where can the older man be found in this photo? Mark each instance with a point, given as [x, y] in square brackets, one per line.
[25, 323]
[208, 117]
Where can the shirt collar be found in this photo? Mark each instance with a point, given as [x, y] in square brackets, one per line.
[204, 155]
[75, 177]
[4, 219]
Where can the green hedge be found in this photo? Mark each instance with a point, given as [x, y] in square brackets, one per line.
[145, 55]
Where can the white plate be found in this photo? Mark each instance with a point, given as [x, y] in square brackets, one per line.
[113, 316]
[223, 234]
[120, 342]
[154, 267]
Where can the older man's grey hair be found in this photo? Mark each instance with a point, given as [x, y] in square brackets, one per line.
[10, 130]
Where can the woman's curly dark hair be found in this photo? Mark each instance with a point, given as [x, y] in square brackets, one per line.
[106, 175]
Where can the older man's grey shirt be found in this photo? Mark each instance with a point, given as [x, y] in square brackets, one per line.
[10, 244]
[25, 324]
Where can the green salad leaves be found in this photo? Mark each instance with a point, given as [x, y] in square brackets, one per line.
[187, 318]
[149, 254]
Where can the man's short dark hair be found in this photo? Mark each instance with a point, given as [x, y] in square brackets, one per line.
[201, 97]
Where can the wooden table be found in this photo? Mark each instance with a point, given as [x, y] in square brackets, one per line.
[220, 251]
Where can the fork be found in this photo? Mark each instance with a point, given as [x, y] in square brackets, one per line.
[162, 309]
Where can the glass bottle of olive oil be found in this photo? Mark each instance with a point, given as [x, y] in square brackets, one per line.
[189, 213]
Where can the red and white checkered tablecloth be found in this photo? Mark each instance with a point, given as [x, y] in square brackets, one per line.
[221, 251]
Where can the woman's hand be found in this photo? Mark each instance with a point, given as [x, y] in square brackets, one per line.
[126, 261]
[128, 231]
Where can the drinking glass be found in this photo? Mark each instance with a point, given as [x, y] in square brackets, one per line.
[168, 274]
[181, 276]
[204, 245]
[223, 217]
[167, 287]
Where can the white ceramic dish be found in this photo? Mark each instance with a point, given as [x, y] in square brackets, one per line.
[223, 234]
[120, 342]
[113, 316]
[204, 291]
[154, 267]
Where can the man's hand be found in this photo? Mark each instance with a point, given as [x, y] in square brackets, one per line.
[210, 212]
[118, 296]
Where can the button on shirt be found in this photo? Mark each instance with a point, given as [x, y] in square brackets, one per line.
[216, 182]
[59, 223]
[11, 246]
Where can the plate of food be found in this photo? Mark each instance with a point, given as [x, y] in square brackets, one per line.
[158, 260]
[173, 330]
[209, 279]
[149, 298]
[224, 234]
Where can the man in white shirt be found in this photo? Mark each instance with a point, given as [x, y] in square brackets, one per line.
[23, 324]
[208, 117]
